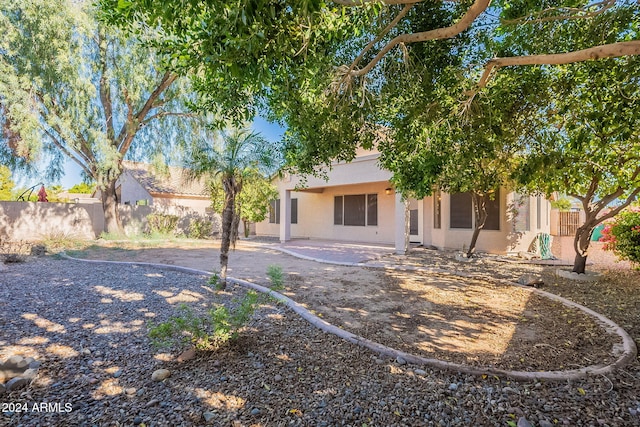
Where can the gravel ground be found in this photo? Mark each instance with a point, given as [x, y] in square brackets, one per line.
[87, 324]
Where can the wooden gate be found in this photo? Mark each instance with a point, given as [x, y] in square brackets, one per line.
[568, 223]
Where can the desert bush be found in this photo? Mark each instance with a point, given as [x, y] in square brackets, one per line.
[622, 235]
[200, 228]
[274, 273]
[219, 326]
[162, 223]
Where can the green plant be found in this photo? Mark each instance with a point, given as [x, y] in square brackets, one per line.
[162, 223]
[214, 281]
[274, 273]
[622, 235]
[200, 228]
[219, 326]
[563, 204]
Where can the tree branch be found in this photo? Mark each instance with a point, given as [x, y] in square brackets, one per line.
[612, 50]
[105, 89]
[379, 37]
[567, 13]
[474, 11]
[131, 127]
[67, 152]
[166, 114]
[363, 2]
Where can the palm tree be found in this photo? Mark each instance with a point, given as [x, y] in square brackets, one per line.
[230, 156]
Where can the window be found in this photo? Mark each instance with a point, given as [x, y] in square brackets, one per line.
[372, 209]
[522, 217]
[461, 211]
[337, 210]
[538, 212]
[493, 212]
[274, 211]
[437, 209]
[294, 211]
[355, 210]
[413, 222]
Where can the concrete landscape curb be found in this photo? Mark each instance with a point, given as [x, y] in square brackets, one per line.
[624, 355]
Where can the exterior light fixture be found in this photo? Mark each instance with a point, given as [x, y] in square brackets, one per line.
[388, 191]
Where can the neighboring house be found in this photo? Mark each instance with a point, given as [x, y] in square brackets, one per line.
[357, 203]
[140, 184]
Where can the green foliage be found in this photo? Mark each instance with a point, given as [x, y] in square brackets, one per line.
[214, 281]
[274, 272]
[562, 204]
[6, 184]
[622, 235]
[72, 87]
[82, 188]
[162, 223]
[218, 327]
[200, 228]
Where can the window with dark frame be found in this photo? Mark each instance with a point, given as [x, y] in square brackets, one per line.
[437, 209]
[355, 210]
[461, 212]
[274, 211]
[337, 210]
[493, 212]
[294, 211]
[372, 209]
[523, 206]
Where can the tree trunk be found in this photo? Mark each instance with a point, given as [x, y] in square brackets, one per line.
[246, 228]
[227, 224]
[480, 210]
[112, 223]
[581, 246]
[229, 219]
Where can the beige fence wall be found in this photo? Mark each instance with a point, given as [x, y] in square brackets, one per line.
[34, 221]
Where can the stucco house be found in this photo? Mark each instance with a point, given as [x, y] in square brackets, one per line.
[140, 184]
[358, 203]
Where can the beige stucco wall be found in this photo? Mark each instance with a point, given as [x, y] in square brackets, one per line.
[495, 241]
[315, 216]
[178, 205]
[364, 176]
[131, 191]
[34, 221]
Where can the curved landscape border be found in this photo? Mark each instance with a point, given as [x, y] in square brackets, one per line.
[628, 351]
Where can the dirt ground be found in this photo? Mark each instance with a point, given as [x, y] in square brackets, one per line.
[480, 322]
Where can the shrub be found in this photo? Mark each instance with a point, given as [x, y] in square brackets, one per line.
[219, 326]
[622, 235]
[200, 228]
[274, 272]
[162, 223]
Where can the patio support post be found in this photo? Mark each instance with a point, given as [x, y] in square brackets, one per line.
[400, 221]
[285, 216]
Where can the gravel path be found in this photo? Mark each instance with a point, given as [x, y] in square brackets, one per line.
[87, 324]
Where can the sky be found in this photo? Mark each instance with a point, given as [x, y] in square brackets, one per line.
[270, 131]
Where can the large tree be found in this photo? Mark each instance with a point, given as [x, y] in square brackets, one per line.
[585, 141]
[227, 159]
[73, 88]
[317, 65]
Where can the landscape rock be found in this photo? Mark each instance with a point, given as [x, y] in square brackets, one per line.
[531, 280]
[208, 416]
[160, 374]
[523, 422]
[400, 361]
[16, 383]
[187, 355]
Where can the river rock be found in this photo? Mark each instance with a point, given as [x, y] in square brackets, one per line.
[160, 374]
